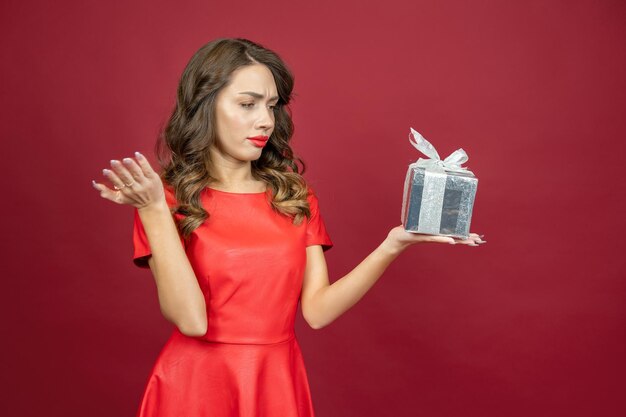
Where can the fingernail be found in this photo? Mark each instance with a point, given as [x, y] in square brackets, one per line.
[105, 171]
[481, 236]
[93, 182]
[114, 162]
[452, 243]
[127, 160]
[138, 154]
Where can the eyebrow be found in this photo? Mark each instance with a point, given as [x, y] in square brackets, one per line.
[257, 95]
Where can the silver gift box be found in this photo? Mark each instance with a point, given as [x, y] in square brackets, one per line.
[438, 195]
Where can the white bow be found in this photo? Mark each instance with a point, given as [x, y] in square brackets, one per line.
[452, 163]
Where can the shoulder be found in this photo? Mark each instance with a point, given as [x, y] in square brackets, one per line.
[310, 194]
[312, 199]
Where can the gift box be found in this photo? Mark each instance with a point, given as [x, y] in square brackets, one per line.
[438, 195]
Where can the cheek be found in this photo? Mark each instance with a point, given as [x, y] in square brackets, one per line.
[237, 119]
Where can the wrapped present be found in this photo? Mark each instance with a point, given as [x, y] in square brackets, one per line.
[438, 195]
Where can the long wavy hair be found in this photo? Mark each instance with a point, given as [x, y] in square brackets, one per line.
[183, 145]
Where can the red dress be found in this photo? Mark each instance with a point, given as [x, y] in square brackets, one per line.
[249, 261]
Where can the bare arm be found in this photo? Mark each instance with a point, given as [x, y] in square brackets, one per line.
[180, 297]
[322, 303]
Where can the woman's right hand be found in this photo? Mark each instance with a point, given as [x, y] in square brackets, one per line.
[134, 182]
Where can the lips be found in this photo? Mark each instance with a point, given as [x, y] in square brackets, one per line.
[259, 141]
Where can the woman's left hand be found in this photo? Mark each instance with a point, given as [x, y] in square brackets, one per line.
[399, 239]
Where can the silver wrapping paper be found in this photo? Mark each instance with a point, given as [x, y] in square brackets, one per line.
[438, 195]
[437, 203]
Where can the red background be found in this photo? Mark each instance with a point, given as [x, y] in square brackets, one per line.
[530, 324]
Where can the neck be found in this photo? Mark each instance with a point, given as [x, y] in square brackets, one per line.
[227, 171]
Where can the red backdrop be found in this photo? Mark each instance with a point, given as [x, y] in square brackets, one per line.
[530, 324]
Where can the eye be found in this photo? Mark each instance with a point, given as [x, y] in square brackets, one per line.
[247, 105]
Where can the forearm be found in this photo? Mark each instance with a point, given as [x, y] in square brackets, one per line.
[334, 300]
[180, 297]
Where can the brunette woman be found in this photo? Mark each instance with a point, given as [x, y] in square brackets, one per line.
[234, 238]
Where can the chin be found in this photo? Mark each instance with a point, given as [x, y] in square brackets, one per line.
[252, 156]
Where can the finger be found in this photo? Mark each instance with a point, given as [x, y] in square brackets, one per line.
[145, 166]
[118, 184]
[478, 238]
[109, 194]
[122, 173]
[134, 169]
[424, 237]
[443, 239]
[471, 241]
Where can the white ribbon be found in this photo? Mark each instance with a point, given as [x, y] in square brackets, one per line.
[452, 163]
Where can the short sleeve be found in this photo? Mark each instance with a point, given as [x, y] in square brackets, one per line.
[316, 233]
[141, 246]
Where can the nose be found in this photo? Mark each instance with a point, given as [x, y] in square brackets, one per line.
[266, 119]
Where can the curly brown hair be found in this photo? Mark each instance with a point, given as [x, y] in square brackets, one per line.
[183, 145]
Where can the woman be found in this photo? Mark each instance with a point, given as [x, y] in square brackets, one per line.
[244, 245]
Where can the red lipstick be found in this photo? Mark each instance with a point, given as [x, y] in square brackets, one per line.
[259, 141]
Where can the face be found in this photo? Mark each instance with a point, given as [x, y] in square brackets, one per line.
[244, 113]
